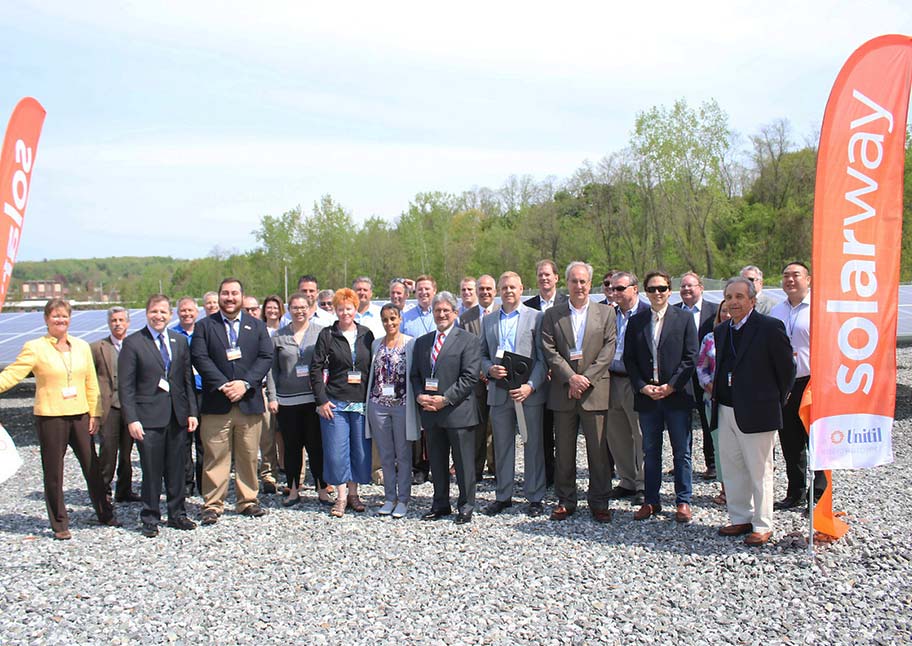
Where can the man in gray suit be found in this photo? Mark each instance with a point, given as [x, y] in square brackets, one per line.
[517, 329]
[444, 371]
[578, 340]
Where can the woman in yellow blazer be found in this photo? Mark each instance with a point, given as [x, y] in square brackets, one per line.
[67, 411]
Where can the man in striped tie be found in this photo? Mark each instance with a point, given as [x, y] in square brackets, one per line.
[445, 368]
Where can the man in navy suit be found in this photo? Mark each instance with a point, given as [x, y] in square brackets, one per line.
[625, 441]
[444, 372]
[660, 354]
[704, 313]
[158, 403]
[232, 352]
[754, 375]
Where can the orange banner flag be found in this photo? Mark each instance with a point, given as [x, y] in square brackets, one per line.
[17, 160]
[857, 230]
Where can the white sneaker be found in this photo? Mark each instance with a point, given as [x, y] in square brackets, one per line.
[400, 510]
[386, 509]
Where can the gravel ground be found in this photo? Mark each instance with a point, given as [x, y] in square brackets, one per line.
[299, 576]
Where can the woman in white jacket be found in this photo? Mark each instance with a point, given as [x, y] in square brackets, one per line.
[392, 415]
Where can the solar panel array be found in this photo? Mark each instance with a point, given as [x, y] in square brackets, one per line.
[90, 325]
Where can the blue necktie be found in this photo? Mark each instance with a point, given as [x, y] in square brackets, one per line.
[164, 352]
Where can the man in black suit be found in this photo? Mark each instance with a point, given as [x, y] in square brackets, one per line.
[158, 403]
[704, 313]
[754, 375]
[660, 354]
[548, 296]
[472, 320]
[444, 372]
[232, 352]
[625, 440]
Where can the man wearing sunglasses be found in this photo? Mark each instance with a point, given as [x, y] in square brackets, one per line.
[660, 353]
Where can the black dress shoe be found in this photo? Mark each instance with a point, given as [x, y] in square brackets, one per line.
[129, 497]
[638, 498]
[621, 492]
[149, 530]
[208, 517]
[253, 511]
[497, 506]
[535, 509]
[181, 522]
[111, 521]
[436, 514]
[463, 519]
[269, 487]
[419, 478]
[790, 502]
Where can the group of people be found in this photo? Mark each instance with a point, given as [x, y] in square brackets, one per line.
[401, 394]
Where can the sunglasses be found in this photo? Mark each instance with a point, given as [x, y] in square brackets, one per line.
[619, 288]
[652, 289]
[326, 304]
[251, 309]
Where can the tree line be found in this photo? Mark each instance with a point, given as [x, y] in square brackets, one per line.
[685, 193]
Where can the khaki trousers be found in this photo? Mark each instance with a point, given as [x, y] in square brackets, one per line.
[747, 465]
[625, 441]
[237, 434]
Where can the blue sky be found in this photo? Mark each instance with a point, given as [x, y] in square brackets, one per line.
[173, 127]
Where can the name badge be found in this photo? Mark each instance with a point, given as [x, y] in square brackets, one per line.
[389, 390]
[233, 354]
[354, 376]
[729, 380]
[499, 354]
[302, 370]
[430, 385]
[68, 392]
[576, 355]
[164, 385]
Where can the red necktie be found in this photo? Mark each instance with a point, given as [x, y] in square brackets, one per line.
[437, 346]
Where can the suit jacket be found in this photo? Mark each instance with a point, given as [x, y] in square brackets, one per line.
[762, 375]
[208, 350]
[598, 351]
[528, 344]
[140, 367]
[535, 301]
[707, 316]
[677, 356]
[457, 369]
[471, 319]
[104, 354]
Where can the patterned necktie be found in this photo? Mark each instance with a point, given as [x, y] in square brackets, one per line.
[164, 351]
[437, 345]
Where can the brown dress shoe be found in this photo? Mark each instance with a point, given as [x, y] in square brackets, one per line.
[735, 530]
[561, 513]
[683, 513]
[63, 535]
[646, 510]
[601, 515]
[758, 538]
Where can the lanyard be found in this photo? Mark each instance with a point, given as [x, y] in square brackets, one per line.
[792, 322]
[67, 368]
[232, 335]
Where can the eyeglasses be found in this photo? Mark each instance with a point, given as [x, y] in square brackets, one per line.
[326, 305]
[652, 289]
[750, 279]
[619, 288]
[250, 310]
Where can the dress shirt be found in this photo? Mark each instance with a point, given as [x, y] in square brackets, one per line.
[578, 322]
[370, 319]
[417, 322]
[167, 343]
[545, 304]
[506, 328]
[617, 364]
[658, 320]
[695, 310]
[797, 322]
[197, 378]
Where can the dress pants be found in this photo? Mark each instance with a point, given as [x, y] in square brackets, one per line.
[388, 438]
[346, 452]
[625, 440]
[654, 423]
[269, 454]
[193, 469]
[225, 435]
[548, 445]
[709, 451]
[300, 428]
[115, 448]
[565, 434]
[462, 443]
[54, 434]
[794, 441]
[747, 461]
[504, 424]
[162, 454]
[484, 440]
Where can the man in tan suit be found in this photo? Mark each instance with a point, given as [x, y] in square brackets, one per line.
[578, 339]
[115, 446]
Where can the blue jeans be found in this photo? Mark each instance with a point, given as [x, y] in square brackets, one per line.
[653, 424]
[346, 452]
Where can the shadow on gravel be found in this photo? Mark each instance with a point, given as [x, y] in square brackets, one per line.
[24, 524]
[903, 402]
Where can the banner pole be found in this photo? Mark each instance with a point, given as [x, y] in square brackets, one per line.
[809, 487]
